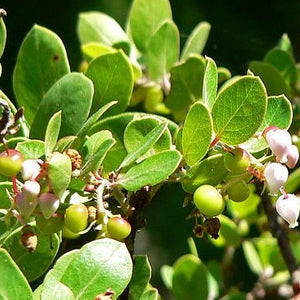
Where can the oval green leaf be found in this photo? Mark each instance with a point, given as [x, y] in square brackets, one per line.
[252, 258]
[2, 36]
[210, 83]
[52, 133]
[197, 133]
[239, 110]
[42, 60]
[31, 149]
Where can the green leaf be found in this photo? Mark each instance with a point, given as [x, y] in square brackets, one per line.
[32, 264]
[285, 44]
[2, 36]
[13, 284]
[42, 60]
[99, 152]
[113, 80]
[5, 201]
[52, 133]
[210, 83]
[239, 110]
[186, 83]
[163, 50]
[92, 50]
[145, 18]
[223, 74]
[31, 149]
[166, 273]
[150, 294]
[140, 277]
[146, 144]
[196, 41]
[72, 94]
[151, 171]
[271, 77]
[209, 171]
[189, 279]
[138, 128]
[101, 28]
[252, 257]
[59, 172]
[82, 274]
[197, 133]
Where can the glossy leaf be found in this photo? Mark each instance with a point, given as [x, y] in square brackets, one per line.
[197, 133]
[196, 41]
[52, 132]
[105, 263]
[42, 60]
[189, 278]
[92, 50]
[209, 171]
[166, 273]
[31, 149]
[13, 284]
[72, 94]
[59, 172]
[151, 171]
[138, 128]
[239, 110]
[252, 257]
[186, 83]
[163, 50]
[2, 36]
[140, 277]
[144, 19]
[32, 264]
[210, 83]
[113, 80]
[101, 28]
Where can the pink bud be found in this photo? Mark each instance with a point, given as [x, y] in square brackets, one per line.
[31, 189]
[25, 207]
[30, 169]
[276, 176]
[49, 204]
[293, 156]
[279, 141]
[288, 208]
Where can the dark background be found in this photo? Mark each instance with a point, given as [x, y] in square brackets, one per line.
[241, 31]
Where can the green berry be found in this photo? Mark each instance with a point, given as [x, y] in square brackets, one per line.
[118, 228]
[67, 234]
[238, 191]
[10, 162]
[237, 161]
[209, 201]
[76, 217]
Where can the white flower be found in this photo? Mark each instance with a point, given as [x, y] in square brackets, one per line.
[25, 207]
[276, 176]
[288, 207]
[293, 156]
[30, 169]
[279, 141]
[49, 204]
[31, 189]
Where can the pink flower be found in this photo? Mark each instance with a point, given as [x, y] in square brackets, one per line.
[25, 206]
[49, 204]
[292, 156]
[30, 169]
[276, 176]
[288, 207]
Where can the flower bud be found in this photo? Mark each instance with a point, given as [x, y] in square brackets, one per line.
[276, 176]
[25, 207]
[288, 208]
[31, 189]
[292, 156]
[49, 204]
[279, 141]
[30, 169]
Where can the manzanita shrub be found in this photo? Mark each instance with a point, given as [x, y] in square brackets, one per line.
[86, 151]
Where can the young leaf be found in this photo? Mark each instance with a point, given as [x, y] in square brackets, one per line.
[239, 110]
[149, 140]
[285, 44]
[42, 60]
[105, 263]
[186, 83]
[210, 83]
[252, 258]
[145, 18]
[163, 50]
[197, 133]
[113, 80]
[196, 41]
[59, 172]
[72, 94]
[152, 170]
[13, 284]
[52, 132]
[2, 36]
[140, 277]
[31, 149]
[166, 273]
[101, 28]
[92, 50]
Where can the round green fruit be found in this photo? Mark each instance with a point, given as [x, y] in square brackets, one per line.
[10, 162]
[67, 234]
[238, 191]
[118, 228]
[51, 225]
[237, 161]
[208, 200]
[76, 217]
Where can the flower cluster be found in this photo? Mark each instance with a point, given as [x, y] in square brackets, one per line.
[276, 173]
